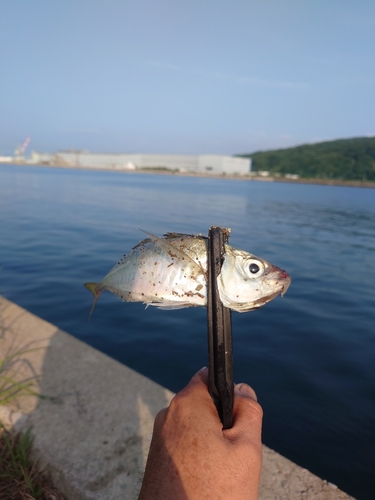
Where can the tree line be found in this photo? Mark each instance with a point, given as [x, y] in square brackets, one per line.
[343, 159]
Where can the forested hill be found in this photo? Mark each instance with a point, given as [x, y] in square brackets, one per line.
[344, 159]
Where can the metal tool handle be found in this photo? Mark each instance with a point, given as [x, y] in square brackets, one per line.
[219, 322]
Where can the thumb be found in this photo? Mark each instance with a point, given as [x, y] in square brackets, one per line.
[245, 390]
[247, 412]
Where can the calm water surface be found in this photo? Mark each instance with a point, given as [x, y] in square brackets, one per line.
[310, 356]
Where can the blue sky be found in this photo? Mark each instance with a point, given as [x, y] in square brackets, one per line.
[191, 76]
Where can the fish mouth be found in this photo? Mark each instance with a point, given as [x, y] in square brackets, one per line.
[278, 278]
[287, 281]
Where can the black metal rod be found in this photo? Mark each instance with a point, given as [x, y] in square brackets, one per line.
[219, 327]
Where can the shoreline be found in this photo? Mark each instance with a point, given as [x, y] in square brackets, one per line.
[323, 182]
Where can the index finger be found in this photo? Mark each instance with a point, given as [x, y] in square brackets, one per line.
[194, 398]
[199, 379]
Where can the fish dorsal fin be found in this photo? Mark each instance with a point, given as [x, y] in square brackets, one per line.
[178, 235]
[173, 251]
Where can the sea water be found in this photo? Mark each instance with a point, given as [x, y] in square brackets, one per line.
[310, 356]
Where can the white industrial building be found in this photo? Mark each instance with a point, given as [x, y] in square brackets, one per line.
[208, 164]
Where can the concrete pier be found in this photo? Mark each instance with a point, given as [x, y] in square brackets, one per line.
[93, 425]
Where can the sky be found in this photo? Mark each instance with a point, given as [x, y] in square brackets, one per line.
[185, 76]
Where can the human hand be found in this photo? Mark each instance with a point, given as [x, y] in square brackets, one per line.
[192, 458]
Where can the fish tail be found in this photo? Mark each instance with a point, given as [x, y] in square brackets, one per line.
[93, 287]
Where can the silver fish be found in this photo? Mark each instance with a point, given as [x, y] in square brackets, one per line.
[170, 272]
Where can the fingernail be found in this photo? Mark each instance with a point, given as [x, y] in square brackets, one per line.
[245, 389]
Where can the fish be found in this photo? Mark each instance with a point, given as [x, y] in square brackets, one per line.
[170, 272]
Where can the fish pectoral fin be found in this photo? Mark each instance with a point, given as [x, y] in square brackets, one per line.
[169, 305]
[93, 287]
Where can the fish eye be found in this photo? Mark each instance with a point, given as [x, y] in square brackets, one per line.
[254, 268]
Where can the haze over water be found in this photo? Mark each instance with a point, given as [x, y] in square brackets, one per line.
[309, 356]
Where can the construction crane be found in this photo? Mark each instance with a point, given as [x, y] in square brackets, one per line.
[20, 149]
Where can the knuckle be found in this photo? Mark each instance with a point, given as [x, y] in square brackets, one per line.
[160, 418]
[252, 407]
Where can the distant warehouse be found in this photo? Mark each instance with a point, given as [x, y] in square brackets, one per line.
[208, 164]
